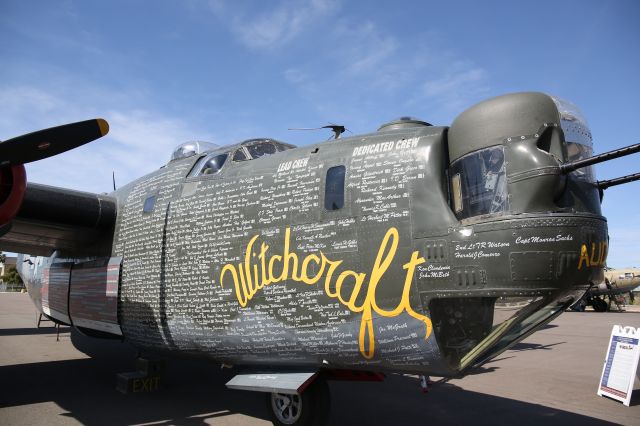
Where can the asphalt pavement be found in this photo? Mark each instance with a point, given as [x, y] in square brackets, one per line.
[550, 378]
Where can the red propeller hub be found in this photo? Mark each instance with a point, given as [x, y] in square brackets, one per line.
[13, 184]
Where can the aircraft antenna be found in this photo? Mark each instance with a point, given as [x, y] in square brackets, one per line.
[113, 176]
[336, 128]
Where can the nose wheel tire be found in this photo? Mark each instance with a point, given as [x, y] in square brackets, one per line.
[286, 408]
[599, 305]
[311, 408]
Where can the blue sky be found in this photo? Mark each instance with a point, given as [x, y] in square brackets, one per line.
[163, 72]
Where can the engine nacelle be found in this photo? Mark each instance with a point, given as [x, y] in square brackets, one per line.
[13, 184]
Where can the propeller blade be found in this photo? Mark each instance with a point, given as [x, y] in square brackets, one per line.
[49, 142]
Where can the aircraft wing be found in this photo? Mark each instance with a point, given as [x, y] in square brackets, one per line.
[76, 223]
[615, 285]
[39, 219]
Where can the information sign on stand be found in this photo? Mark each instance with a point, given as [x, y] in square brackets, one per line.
[621, 364]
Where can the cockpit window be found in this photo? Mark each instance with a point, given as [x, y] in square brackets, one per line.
[209, 165]
[247, 150]
[239, 155]
[478, 183]
[259, 149]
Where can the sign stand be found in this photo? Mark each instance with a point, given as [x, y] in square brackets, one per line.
[621, 364]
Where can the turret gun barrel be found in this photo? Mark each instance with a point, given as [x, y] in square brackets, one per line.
[604, 184]
[578, 164]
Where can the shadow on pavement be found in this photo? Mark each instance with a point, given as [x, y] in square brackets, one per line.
[191, 392]
[523, 346]
[32, 331]
[194, 392]
[399, 400]
[548, 327]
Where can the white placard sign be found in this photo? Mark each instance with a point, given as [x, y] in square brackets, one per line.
[621, 364]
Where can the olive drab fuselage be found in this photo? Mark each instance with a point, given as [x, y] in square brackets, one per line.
[250, 266]
[415, 248]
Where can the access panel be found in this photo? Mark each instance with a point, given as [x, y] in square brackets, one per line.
[55, 291]
[93, 301]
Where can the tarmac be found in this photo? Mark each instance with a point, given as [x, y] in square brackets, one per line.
[549, 378]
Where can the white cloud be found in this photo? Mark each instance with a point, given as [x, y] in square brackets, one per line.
[356, 60]
[458, 89]
[453, 82]
[22, 104]
[139, 141]
[295, 76]
[275, 27]
[371, 72]
[364, 48]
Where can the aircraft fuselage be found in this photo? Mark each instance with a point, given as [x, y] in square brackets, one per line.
[365, 252]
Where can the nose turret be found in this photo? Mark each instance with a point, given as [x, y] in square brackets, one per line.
[531, 238]
[534, 134]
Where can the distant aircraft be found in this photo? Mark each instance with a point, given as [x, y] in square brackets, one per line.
[415, 248]
[616, 282]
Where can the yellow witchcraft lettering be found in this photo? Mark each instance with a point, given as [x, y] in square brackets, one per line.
[257, 271]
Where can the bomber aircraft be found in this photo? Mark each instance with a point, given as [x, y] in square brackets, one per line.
[616, 283]
[416, 248]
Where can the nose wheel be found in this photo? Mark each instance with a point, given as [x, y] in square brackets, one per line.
[599, 305]
[286, 408]
[311, 408]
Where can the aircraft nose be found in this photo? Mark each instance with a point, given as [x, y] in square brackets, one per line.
[505, 278]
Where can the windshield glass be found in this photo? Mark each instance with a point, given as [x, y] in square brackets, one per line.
[209, 165]
[478, 184]
[259, 149]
